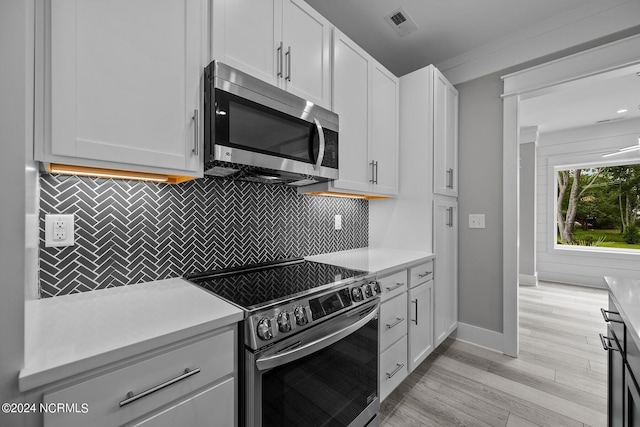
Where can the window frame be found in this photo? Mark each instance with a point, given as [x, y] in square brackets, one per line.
[553, 247]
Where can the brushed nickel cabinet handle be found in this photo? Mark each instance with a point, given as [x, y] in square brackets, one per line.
[131, 397]
[395, 371]
[376, 181]
[606, 343]
[279, 50]
[450, 178]
[425, 274]
[398, 284]
[416, 303]
[396, 323]
[196, 133]
[288, 58]
[605, 315]
[373, 173]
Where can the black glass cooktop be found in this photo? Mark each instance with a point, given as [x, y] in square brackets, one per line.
[255, 286]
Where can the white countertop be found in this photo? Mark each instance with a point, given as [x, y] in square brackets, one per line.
[75, 333]
[626, 294]
[373, 260]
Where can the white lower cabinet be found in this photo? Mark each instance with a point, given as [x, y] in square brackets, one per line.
[445, 244]
[406, 323]
[420, 312]
[393, 367]
[191, 385]
[208, 408]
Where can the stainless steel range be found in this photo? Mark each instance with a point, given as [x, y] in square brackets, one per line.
[310, 342]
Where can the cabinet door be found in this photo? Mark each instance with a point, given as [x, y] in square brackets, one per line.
[420, 323]
[351, 82]
[214, 406]
[307, 49]
[384, 130]
[631, 400]
[247, 36]
[446, 267]
[445, 136]
[125, 81]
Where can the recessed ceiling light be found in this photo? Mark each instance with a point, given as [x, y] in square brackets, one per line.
[623, 110]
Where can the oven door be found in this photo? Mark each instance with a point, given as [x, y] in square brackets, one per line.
[326, 375]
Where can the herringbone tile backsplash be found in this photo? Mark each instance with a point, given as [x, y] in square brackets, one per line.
[130, 232]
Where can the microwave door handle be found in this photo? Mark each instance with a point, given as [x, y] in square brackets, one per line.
[322, 145]
[298, 352]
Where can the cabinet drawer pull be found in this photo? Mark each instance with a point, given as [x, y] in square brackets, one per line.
[425, 274]
[605, 315]
[288, 61]
[196, 136]
[450, 178]
[606, 343]
[279, 50]
[398, 284]
[373, 172]
[395, 371]
[133, 397]
[416, 303]
[396, 323]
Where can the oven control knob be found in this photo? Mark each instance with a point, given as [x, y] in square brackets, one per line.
[356, 294]
[301, 315]
[264, 329]
[284, 321]
[367, 290]
[376, 287]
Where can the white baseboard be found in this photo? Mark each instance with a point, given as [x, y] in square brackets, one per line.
[528, 279]
[490, 340]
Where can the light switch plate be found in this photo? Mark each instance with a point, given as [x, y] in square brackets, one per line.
[476, 220]
[59, 230]
[338, 222]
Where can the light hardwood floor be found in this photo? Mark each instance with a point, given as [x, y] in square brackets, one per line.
[559, 378]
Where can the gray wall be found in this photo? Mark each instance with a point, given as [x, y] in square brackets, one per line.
[528, 209]
[480, 175]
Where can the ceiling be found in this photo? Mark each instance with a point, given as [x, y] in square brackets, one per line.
[446, 28]
[585, 102]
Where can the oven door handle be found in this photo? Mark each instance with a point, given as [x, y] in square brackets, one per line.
[299, 352]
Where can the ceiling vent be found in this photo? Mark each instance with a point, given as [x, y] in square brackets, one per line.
[401, 22]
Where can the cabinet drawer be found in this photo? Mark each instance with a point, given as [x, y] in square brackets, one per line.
[393, 285]
[420, 274]
[213, 407]
[214, 356]
[393, 320]
[393, 367]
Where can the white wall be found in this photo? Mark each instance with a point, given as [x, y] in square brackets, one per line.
[16, 137]
[566, 148]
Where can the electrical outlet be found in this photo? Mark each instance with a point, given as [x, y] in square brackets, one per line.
[476, 220]
[337, 223]
[59, 230]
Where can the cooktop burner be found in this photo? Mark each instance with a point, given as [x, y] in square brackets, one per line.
[256, 286]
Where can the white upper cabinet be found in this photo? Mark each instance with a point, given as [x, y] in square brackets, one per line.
[122, 84]
[283, 42]
[445, 136]
[365, 96]
[351, 87]
[384, 130]
[245, 33]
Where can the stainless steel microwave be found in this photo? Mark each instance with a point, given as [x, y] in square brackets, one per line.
[257, 132]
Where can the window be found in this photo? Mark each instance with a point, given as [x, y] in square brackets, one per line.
[598, 207]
